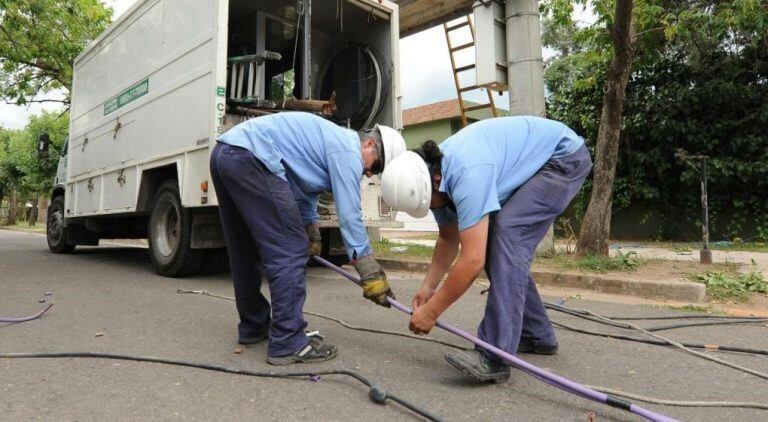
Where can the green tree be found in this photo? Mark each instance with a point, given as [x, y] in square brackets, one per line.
[39, 172]
[39, 40]
[10, 173]
[615, 36]
[24, 174]
[699, 82]
[5, 184]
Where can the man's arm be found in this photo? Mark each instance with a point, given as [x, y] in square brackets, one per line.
[345, 170]
[471, 261]
[446, 249]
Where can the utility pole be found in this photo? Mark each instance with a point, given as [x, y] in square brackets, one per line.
[525, 65]
[525, 70]
[699, 163]
[705, 254]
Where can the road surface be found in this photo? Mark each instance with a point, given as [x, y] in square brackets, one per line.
[108, 300]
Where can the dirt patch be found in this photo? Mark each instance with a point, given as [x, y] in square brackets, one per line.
[649, 270]
[756, 306]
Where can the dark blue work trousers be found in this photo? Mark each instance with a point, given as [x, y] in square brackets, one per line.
[514, 310]
[262, 226]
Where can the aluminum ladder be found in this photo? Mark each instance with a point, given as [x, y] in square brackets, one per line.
[453, 27]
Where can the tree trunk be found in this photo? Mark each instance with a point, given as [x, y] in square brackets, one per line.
[32, 220]
[42, 209]
[595, 228]
[13, 207]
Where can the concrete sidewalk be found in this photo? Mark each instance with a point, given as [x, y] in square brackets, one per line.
[751, 261]
[673, 288]
[677, 290]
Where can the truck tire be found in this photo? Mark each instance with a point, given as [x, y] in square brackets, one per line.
[170, 234]
[55, 231]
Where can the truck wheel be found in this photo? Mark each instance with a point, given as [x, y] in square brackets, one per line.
[170, 234]
[55, 230]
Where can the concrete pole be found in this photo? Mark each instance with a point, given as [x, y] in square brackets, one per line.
[525, 70]
[525, 66]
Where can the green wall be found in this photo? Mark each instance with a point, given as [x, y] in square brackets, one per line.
[439, 130]
[436, 131]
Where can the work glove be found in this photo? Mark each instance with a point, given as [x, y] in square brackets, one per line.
[375, 286]
[315, 240]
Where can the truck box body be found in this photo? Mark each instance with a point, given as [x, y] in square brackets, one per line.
[151, 94]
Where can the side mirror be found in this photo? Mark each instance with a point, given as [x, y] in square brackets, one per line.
[43, 144]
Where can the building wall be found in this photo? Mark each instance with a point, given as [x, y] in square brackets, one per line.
[436, 131]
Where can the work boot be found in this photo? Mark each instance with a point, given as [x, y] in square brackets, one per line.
[476, 365]
[536, 349]
[314, 351]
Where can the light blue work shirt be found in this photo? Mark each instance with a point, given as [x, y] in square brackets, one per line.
[484, 163]
[313, 155]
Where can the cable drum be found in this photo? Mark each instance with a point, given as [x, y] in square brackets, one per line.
[360, 78]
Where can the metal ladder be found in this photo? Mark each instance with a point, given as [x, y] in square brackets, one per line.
[456, 70]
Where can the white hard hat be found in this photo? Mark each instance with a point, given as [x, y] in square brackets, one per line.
[392, 141]
[406, 184]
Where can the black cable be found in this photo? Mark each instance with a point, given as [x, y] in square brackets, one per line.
[376, 392]
[605, 320]
[338, 321]
[662, 343]
[698, 316]
[583, 314]
[702, 323]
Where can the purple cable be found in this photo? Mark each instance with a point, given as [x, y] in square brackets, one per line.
[546, 376]
[29, 318]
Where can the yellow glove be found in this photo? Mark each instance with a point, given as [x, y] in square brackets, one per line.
[315, 240]
[375, 285]
[377, 290]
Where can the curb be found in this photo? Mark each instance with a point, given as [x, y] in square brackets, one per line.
[667, 290]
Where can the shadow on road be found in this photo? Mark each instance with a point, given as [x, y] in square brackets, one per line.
[131, 258]
[126, 257]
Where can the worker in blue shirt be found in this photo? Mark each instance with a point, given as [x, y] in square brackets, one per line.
[267, 173]
[494, 188]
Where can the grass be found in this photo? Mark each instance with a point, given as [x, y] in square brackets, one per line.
[731, 285]
[737, 246]
[387, 249]
[742, 247]
[629, 261]
[697, 309]
[23, 225]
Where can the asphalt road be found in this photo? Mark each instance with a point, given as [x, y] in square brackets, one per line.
[111, 290]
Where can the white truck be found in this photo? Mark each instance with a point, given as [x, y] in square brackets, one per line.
[152, 92]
